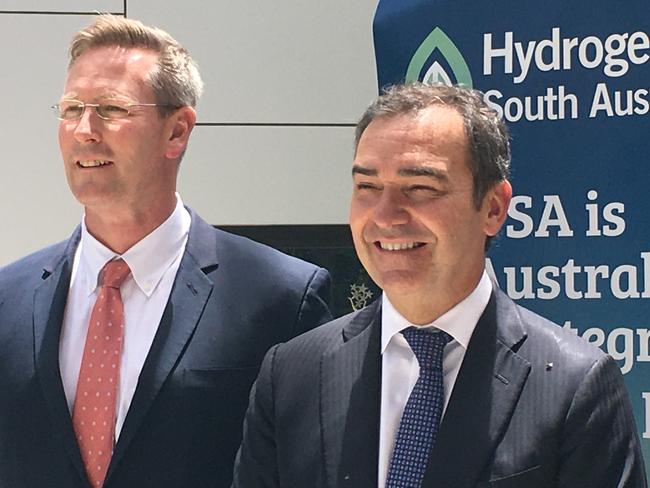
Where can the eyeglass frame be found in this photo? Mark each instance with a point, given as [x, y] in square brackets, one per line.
[57, 109]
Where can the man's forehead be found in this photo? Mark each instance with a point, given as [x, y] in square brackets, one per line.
[112, 52]
[113, 61]
[110, 71]
[414, 132]
[413, 144]
[433, 116]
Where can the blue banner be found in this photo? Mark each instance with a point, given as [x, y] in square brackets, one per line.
[572, 81]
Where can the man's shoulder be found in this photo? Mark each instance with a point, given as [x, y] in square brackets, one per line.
[232, 249]
[549, 342]
[326, 337]
[237, 254]
[33, 264]
[235, 244]
[274, 284]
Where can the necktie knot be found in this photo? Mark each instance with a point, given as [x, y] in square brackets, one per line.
[427, 345]
[114, 273]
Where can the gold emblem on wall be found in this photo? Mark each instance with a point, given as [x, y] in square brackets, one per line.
[359, 296]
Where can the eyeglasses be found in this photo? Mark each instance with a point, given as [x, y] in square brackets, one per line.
[108, 110]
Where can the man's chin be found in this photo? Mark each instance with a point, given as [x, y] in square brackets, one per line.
[92, 195]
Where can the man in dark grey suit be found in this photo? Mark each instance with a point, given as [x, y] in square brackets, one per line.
[199, 307]
[358, 402]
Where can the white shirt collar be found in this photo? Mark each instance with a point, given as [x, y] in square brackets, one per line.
[459, 322]
[165, 242]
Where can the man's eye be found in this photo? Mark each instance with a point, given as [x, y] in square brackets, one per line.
[366, 186]
[114, 109]
[71, 111]
[423, 190]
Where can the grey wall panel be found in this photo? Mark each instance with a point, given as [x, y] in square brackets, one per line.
[115, 6]
[268, 175]
[36, 206]
[275, 61]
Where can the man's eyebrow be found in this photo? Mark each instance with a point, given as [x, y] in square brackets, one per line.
[423, 171]
[362, 170]
[112, 94]
[416, 171]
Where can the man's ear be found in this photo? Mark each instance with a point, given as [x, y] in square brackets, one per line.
[180, 125]
[495, 206]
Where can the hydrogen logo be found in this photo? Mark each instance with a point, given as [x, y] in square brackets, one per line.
[437, 40]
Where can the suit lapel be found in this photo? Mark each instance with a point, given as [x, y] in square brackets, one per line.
[350, 400]
[484, 397]
[49, 305]
[188, 297]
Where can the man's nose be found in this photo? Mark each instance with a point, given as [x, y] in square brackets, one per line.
[88, 126]
[391, 208]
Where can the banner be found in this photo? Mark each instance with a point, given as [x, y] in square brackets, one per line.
[572, 81]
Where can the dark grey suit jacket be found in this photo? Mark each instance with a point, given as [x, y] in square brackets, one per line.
[231, 301]
[512, 421]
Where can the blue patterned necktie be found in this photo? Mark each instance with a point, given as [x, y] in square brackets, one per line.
[419, 425]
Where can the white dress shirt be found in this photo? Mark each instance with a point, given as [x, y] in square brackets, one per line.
[400, 369]
[154, 262]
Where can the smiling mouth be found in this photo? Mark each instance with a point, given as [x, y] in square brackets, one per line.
[398, 246]
[93, 163]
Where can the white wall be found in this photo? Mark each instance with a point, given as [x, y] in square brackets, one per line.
[285, 82]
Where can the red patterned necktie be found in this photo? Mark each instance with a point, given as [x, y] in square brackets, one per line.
[93, 416]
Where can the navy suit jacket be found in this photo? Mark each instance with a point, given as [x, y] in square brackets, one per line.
[231, 301]
[533, 406]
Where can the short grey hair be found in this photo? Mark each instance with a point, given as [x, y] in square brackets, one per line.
[176, 81]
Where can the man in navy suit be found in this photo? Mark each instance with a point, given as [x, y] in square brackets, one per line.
[357, 402]
[200, 306]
